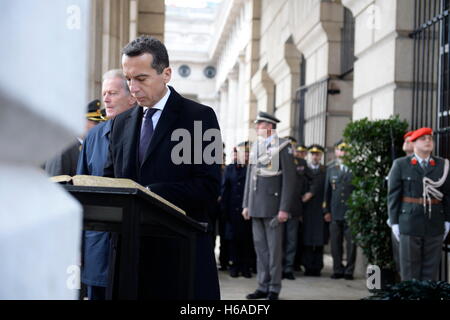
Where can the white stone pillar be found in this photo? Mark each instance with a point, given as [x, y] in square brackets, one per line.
[242, 107]
[262, 86]
[320, 41]
[133, 19]
[232, 116]
[223, 96]
[111, 35]
[383, 72]
[151, 18]
[96, 50]
[40, 113]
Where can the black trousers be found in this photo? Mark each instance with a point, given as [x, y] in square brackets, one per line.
[241, 246]
[313, 258]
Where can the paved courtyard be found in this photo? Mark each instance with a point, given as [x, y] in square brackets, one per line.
[303, 288]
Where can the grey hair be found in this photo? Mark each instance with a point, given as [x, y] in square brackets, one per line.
[116, 73]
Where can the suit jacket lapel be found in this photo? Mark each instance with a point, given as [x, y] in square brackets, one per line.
[165, 123]
[131, 140]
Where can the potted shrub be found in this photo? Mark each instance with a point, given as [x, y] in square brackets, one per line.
[373, 147]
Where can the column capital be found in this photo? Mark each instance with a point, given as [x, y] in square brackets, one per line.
[357, 6]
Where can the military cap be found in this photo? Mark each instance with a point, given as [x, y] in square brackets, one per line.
[93, 111]
[301, 148]
[421, 132]
[316, 148]
[408, 134]
[341, 145]
[265, 117]
[291, 139]
[245, 145]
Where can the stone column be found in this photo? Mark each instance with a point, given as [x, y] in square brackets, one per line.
[96, 50]
[133, 19]
[242, 107]
[383, 72]
[111, 35]
[124, 18]
[40, 115]
[151, 18]
[223, 108]
[286, 75]
[262, 86]
[232, 110]
[319, 39]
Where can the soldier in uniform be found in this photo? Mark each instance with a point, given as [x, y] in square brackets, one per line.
[419, 207]
[291, 226]
[338, 188]
[408, 148]
[268, 199]
[314, 228]
[301, 152]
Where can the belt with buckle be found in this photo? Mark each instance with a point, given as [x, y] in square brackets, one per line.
[420, 200]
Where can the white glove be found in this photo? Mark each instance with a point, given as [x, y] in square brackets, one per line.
[447, 228]
[396, 231]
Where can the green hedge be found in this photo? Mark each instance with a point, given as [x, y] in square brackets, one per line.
[373, 147]
[414, 290]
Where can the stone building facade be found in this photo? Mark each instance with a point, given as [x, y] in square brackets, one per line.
[113, 24]
[316, 64]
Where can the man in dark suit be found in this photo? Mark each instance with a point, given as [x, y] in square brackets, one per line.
[145, 147]
[239, 230]
[314, 226]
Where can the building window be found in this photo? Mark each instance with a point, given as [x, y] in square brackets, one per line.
[184, 71]
[210, 72]
[312, 104]
[302, 71]
[431, 86]
[348, 42]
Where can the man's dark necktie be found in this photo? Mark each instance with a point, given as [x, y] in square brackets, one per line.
[424, 165]
[146, 133]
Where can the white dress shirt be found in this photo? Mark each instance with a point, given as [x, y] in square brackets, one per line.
[420, 160]
[160, 106]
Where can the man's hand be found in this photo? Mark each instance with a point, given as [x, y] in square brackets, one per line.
[447, 228]
[396, 231]
[245, 214]
[327, 217]
[283, 216]
[307, 196]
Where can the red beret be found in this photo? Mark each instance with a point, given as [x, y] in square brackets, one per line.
[408, 134]
[421, 132]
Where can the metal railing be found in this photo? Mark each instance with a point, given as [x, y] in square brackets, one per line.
[431, 85]
[348, 42]
[312, 101]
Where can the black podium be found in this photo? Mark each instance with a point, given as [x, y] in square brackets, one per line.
[154, 244]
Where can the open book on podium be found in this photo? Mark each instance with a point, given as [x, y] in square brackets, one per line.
[95, 181]
[154, 242]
